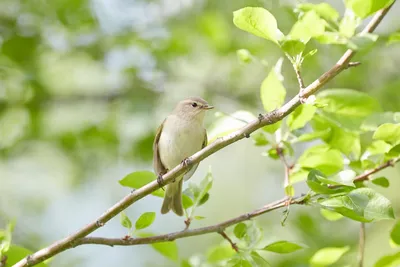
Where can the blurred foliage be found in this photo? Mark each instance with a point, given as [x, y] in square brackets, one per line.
[83, 85]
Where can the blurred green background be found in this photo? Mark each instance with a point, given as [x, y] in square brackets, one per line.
[84, 84]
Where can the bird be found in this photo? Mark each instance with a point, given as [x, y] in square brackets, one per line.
[179, 136]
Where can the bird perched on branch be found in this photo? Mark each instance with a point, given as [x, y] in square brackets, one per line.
[179, 136]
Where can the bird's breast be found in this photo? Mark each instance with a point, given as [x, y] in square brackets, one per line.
[178, 141]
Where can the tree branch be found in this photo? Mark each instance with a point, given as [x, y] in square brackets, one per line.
[263, 120]
[217, 228]
[225, 236]
[361, 245]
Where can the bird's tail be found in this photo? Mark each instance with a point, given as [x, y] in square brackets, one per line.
[173, 198]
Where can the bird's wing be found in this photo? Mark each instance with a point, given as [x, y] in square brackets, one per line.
[193, 169]
[159, 167]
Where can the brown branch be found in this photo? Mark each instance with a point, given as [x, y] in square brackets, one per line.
[225, 236]
[361, 245]
[263, 120]
[217, 228]
[366, 175]
[287, 166]
[3, 261]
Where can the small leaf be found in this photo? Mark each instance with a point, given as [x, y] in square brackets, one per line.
[17, 253]
[361, 204]
[282, 247]
[273, 92]
[220, 253]
[138, 179]
[324, 10]
[125, 221]
[389, 261]
[197, 217]
[322, 158]
[258, 260]
[328, 256]
[309, 26]
[365, 8]
[259, 139]
[239, 262]
[300, 116]
[394, 38]
[145, 220]
[187, 202]
[167, 249]
[204, 199]
[258, 21]
[293, 47]
[185, 263]
[348, 25]
[388, 132]
[240, 230]
[381, 181]
[331, 215]
[395, 233]
[313, 135]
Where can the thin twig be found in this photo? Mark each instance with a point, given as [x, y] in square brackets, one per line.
[190, 232]
[3, 261]
[217, 145]
[366, 175]
[301, 83]
[233, 245]
[287, 166]
[361, 245]
[353, 64]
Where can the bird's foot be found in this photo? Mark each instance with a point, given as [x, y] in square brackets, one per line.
[160, 181]
[186, 162]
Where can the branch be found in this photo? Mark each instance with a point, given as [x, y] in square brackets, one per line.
[287, 166]
[217, 228]
[220, 143]
[225, 236]
[361, 246]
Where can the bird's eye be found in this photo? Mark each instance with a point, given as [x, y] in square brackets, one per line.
[194, 104]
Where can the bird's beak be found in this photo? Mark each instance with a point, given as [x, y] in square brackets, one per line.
[207, 107]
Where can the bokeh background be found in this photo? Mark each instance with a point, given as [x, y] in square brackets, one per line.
[85, 83]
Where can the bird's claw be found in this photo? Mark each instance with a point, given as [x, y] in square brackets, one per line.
[160, 181]
[186, 162]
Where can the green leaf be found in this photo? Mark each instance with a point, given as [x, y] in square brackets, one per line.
[293, 47]
[258, 21]
[272, 128]
[145, 220]
[378, 147]
[322, 158]
[347, 107]
[125, 221]
[204, 187]
[331, 38]
[362, 204]
[244, 56]
[324, 10]
[167, 249]
[317, 182]
[138, 179]
[185, 263]
[348, 25]
[394, 152]
[373, 121]
[301, 115]
[240, 230]
[259, 139]
[17, 253]
[365, 8]
[381, 181]
[362, 41]
[239, 262]
[388, 132]
[282, 247]
[273, 92]
[220, 253]
[197, 217]
[395, 233]
[328, 256]
[204, 199]
[313, 135]
[258, 260]
[394, 38]
[389, 261]
[309, 26]
[347, 141]
[331, 215]
[187, 202]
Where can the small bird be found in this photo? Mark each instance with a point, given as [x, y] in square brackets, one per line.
[179, 136]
